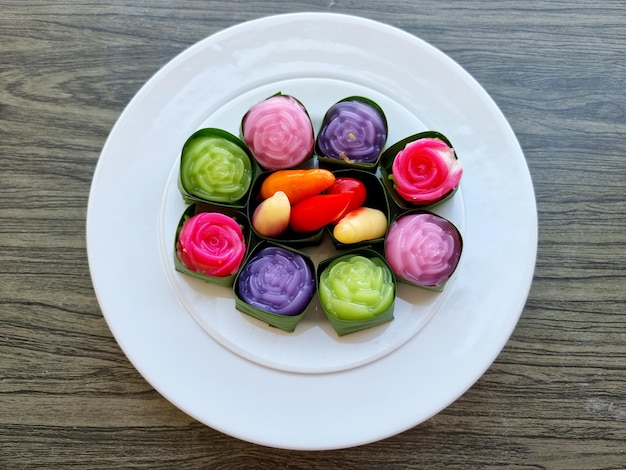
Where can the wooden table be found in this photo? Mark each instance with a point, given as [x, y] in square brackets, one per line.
[554, 398]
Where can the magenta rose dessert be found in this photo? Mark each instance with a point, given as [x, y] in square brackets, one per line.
[278, 132]
[211, 244]
[423, 249]
[425, 170]
[276, 280]
[354, 130]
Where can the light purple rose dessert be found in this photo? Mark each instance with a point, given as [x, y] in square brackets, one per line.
[423, 248]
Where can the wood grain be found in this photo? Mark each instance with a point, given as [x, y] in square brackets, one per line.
[556, 396]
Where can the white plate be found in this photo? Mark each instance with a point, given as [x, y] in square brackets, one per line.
[310, 389]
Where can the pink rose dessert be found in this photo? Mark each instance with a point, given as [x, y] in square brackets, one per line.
[211, 243]
[423, 249]
[278, 132]
[426, 171]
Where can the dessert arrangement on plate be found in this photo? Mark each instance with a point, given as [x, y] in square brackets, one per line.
[257, 199]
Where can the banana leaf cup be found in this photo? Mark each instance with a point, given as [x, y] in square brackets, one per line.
[357, 290]
[421, 170]
[275, 285]
[211, 243]
[353, 134]
[216, 167]
[367, 224]
[279, 132]
[423, 249]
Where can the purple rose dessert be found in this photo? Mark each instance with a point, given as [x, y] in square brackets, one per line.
[278, 281]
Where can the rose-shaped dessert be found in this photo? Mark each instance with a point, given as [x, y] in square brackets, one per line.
[211, 244]
[278, 132]
[276, 280]
[354, 130]
[425, 171]
[357, 291]
[423, 249]
[215, 167]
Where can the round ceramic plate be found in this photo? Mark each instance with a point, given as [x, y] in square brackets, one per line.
[310, 389]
